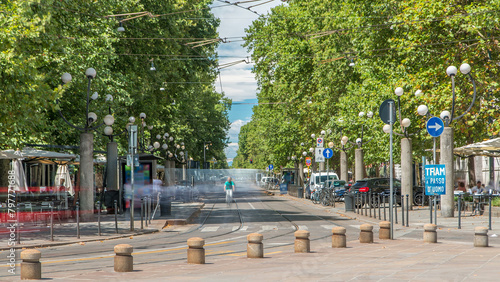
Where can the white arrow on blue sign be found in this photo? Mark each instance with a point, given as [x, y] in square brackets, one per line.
[435, 126]
[327, 153]
[271, 167]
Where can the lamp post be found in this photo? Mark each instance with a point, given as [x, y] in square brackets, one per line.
[446, 144]
[359, 171]
[205, 147]
[86, 189]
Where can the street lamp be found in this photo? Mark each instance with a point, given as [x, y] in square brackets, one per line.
[86, 194]
[205, 147]
[446, 144]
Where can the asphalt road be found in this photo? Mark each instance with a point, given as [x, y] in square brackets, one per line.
[223, 227]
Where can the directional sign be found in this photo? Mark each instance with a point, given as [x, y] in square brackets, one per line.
[435, 126]
[319, 158]
[271, 167]
[327, 153]
[435, 179]
[308, 161]
[319, 142]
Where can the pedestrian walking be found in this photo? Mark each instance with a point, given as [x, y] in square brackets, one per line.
[229, 188]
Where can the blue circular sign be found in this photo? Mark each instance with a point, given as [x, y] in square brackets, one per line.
[271, 167]
[435, 126]
[327, 153]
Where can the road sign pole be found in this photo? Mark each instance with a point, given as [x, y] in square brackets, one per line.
[434, 151]
[391, 197]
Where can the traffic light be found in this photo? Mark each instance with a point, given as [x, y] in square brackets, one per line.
[251, 161]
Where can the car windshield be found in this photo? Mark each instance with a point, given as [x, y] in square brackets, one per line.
[325, 177]
[361, 183]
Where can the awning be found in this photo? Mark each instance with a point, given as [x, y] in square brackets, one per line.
[30, 154]
[489, 148]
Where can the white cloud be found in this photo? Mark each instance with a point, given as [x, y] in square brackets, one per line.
[234, 130]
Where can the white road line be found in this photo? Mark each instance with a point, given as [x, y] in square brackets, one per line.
[244, 228]
[329, 227]
[302, 227]
[251, 205]
[210, 229]
[269, 227]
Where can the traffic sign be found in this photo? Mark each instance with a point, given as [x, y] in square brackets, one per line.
[327, 153]
[435, 126]
[271, 167]
[308, 161]
[319, 158]
[319, 142]
[435, 179]
[384, 110]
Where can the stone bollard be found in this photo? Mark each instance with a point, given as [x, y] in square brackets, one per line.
[31, 268]
[366, 233]
[302, 243]
[338, 237]
[480, 237]
[255, 248]
[196, 252]
[124, 262]
[385, 230]
[430, 234]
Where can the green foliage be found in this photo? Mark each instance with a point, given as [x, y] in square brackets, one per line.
[303, 51]
[41, 40]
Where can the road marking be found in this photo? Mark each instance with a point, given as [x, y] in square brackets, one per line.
[356, 226]
[301, 227]
[210, 229]
[269, 227]
[251, 205]
[244, 254]
[329, 227]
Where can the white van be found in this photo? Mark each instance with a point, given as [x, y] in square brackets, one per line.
[315, 182]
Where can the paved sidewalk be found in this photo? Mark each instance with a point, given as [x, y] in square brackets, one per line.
[66, 233]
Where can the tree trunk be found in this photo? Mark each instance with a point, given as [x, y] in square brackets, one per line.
[471, 170]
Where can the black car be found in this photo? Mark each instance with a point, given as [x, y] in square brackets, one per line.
[379, 185]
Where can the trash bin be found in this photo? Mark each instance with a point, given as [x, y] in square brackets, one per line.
[349, 202]
[165, 206]
[300, 192]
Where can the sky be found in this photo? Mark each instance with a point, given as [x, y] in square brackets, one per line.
[238, 82]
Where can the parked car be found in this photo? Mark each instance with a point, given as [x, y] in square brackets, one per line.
[377, 186]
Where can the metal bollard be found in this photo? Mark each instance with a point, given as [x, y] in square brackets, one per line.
[338, 237]
[407, 210]
[78, 220]
[51, 221]
[255, 248]
[395, 207]
[383, 198]
[146, 211]
[31, 268]
[150, 209]
[378, 203]
[459, 200]
[366, 233]
[384, 232]
[124, 262]
[480, 237]
[430, 207]
[430, 234]
[365, 202]
[356, 200]
[302, 243]
[142, 213]
[196, 252]
[403, 210]
[99, 218]
[489, 211]
[369, 195]
[18, 225]
[116, 217]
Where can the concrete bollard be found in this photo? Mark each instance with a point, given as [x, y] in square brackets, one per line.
[31, 268]
[366, 233]
[430, 234]
[384, 232]
[302, 243]
[338, 237]
[124, 262]
[480, 237]
[196, 252]
[255, 248]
